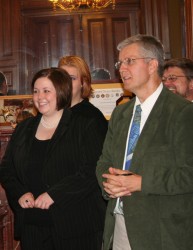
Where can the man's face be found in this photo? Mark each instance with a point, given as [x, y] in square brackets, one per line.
[135, 75]
[175, 80]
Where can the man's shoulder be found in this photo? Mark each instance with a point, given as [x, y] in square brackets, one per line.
[176, 100]
[124, 107]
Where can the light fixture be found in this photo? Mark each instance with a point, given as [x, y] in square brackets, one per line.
[70, 5]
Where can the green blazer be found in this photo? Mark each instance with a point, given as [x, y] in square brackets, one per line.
[160, 217]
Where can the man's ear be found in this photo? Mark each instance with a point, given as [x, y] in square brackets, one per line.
[153, 66]
[191, 85]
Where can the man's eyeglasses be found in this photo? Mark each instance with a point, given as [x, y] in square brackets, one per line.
[129, 61]
[171, 78]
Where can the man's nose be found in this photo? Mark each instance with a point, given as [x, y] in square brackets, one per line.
[123, 67]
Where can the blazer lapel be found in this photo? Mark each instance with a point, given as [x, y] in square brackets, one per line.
[31, 130]
[122, 129]
[60, 131]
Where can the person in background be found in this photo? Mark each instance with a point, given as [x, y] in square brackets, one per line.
[100, 74]
[178, 76]
[81, 91]
[48, 170]
[23, 115]
[147, 157]
[3, 84]
[81, 80]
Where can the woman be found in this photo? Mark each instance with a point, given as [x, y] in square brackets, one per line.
[78, 69]
[48, 170]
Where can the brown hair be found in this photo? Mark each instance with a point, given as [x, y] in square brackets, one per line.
[82, 67]
[23, 115]
[62, 83]
[185, 64]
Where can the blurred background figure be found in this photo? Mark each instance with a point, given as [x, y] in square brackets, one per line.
[91, 126]
[23, 115]
[100, 74]
[178, 77]
[3, 84]
[79, 72]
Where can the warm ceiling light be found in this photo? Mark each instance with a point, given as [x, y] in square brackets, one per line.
[69, 5]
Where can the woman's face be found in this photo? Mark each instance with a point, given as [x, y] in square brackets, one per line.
[76, 83]
[44, 96]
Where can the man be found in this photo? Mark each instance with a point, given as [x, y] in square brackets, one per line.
[178, 76]
[151, 204]
[3, 84]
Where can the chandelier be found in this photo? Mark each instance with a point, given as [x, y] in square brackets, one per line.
[70, 5]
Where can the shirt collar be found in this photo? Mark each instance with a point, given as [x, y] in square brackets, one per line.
[150, 101]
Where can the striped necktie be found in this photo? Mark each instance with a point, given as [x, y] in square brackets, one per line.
[133, 136]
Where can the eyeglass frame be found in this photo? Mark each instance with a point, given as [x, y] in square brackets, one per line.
[129, 61]
[169, 78]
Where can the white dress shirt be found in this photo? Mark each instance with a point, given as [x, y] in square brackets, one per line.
[146, 108]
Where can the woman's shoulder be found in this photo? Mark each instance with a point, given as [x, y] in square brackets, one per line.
[25, 125]
[28, 121]
[87, 109]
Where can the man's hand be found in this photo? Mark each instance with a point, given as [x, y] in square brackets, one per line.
[121, 183]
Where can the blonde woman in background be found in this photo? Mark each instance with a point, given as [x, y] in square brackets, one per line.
[91, 208]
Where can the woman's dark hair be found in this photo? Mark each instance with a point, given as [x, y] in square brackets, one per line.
[62, 83]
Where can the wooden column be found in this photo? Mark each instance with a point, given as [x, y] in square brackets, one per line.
[189, 28]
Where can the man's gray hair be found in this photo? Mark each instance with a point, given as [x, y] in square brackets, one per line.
[150, 46]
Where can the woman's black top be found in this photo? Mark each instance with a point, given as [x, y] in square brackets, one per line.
[37, 216]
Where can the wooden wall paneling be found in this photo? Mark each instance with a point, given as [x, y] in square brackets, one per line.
[110, 46]
[154, 15]
[121, 30]
[29, 57]
[176, 28]
[9, 41]
[12, 73]
[95, 41]
[98, 42]
[189, 28]
[95, 35]
[45, 42]
[29, 62]
[68, 33]
[37, 49]
[124, 26]
[65, 35]
[42, 45]
[6, 223]
[78, 34]
[163, 26]
[102, 33]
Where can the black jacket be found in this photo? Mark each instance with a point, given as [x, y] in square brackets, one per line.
[68, 171]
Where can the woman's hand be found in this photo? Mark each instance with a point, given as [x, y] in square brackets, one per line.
[44, 201]
[27, 200]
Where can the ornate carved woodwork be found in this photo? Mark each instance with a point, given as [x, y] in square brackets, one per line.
[34, 36]
[7, 241]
